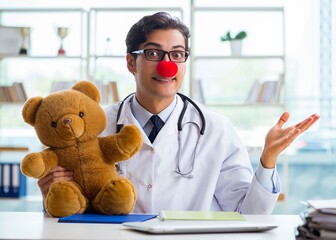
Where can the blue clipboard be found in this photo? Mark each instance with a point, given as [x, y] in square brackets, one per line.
[101, 218]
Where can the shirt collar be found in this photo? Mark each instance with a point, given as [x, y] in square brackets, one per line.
[142, 115]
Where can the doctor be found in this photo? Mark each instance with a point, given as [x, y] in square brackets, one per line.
[196, 161]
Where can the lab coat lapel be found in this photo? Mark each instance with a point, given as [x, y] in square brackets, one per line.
[170, 127]
[127, 117]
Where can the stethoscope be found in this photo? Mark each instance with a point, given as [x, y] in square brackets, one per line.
[185, 99]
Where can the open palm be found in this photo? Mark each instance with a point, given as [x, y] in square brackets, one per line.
[279, 138]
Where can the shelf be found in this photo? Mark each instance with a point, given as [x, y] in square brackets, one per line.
[107, 56]
[28, 198]
[42, 57]
[220, 57]
[262, 60]
[41, 10]
[280, 105]
[239, 9]
[18, 104]
[14, 149]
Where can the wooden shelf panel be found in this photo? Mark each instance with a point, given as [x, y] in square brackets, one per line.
[14, 149]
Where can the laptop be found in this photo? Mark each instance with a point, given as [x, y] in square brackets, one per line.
[172, 227]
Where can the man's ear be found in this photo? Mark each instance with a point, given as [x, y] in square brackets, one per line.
[131, 63]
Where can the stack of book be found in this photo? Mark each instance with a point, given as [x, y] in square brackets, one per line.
[267, 91]
[109, 91]
[13, 94]
[319, 220]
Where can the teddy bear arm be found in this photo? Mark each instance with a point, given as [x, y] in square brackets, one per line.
[121, 146]
[38, 164]
[51, 161]
[112, 152]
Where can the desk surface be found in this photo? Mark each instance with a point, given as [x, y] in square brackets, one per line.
[34, 225]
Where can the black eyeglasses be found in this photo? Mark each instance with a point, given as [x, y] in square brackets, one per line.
[157, 55]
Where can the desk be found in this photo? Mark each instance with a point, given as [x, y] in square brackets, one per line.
[34, 225]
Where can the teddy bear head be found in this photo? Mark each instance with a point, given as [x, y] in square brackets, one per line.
[66, 117]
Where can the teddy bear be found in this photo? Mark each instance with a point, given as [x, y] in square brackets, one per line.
[68, 124]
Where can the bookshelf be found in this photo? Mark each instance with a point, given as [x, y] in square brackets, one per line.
[20, 75]
[249, 88]
[43, 44]
[17, 138]
[107, 50]
[235, 75]
[87, 54]
[91, 56]
[87, 57]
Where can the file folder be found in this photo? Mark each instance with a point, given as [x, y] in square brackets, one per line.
[101, 218]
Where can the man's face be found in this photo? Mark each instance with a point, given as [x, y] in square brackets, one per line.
[150, 86]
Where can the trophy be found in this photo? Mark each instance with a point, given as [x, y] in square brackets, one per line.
[62, 32]
[25, 32]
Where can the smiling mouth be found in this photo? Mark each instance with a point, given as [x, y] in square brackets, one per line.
[161, 79]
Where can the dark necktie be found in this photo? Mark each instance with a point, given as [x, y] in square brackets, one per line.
[157, 125]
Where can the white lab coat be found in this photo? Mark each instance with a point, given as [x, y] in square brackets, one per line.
[223, 179]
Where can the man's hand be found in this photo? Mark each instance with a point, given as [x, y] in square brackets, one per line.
[279, 138]
[55, 174]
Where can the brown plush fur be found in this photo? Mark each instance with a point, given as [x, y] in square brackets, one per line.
[68, 123]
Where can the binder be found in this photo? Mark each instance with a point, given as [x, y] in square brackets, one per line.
[13, 183]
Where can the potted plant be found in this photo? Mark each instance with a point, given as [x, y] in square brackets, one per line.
[235, 41]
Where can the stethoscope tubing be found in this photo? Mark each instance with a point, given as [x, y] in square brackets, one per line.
[187, 174]
[184, 98]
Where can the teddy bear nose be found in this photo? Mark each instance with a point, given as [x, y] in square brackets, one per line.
[67, 120]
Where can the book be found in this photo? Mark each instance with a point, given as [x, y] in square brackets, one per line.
[20, 91]
[114, 91]
[254, 92]
[266, 91]
[199, 91]
[200, 215]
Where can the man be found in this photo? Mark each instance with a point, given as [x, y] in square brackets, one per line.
[196, 161]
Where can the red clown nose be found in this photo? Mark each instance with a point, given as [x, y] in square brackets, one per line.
[167, 68]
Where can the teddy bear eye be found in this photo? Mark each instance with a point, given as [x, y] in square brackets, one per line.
[54, 124]
[81, 114]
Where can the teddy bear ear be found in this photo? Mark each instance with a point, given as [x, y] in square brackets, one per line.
[88, 88]
[30, 109]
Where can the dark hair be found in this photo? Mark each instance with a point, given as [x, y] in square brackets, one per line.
[160, 20]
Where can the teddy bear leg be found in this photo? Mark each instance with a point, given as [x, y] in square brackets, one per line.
[118, 196]
[64, 198]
